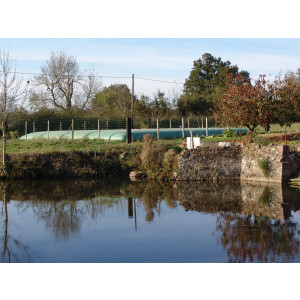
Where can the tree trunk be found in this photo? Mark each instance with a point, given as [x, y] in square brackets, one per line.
[3, 147]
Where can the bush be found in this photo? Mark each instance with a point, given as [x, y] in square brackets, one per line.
[262, 141]
[13, 134]
[265, 166]
[155, 162]
[177, 149]
[229, 133]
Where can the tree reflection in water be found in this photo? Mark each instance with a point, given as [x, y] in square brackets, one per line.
[152, 194]
[12, 249]
[62, 218]
[251, 238]
[253, 223]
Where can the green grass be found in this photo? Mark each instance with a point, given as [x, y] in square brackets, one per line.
[52, 145]
[275, 128]
[15, 146]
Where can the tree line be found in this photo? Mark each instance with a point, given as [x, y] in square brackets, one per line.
[214, 87]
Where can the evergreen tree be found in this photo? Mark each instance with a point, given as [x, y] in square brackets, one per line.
[205, 84]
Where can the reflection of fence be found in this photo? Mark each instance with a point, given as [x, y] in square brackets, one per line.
[37, 125]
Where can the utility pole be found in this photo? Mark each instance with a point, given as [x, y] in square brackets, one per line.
[128, 130]
[132, 100]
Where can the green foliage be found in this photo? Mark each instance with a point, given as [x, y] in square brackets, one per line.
[13, 134]
[113, 100]
[260, 140]
[156, 163]
[229, 133]
[177, 149]
[206, 82]
[265, 166]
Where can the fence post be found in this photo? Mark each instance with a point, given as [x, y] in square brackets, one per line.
[98, 129]
[33, 127]
[26, 130]
[170, 123]
[182, 125]
[84, 125]
[48, 129]
[192, 138]
[157, 128]
[128, 131]
[188, 123]
[206, 123]
[202, 123]
[60, 126]
[72, 129]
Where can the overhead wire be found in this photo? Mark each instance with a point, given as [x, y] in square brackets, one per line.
[100, 76]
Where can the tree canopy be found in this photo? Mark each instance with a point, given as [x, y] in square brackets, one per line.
[261, 103]
[206, 83]
[114, 100]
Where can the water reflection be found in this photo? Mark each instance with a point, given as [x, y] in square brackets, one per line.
[152, 194]
[12, 248]
[249, 238]
[253, 222]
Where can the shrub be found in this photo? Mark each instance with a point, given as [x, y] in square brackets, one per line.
[265, 166]
[155, 162]
[13, 134]
[262, 141]
[229, 133]
[177, 149]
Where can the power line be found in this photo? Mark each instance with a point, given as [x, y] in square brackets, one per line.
[174, 82]
[99, 76]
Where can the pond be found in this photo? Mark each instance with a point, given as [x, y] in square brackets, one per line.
[121, 221]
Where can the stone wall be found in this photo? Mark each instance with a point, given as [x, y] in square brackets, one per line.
[210, 164]
[238, 162]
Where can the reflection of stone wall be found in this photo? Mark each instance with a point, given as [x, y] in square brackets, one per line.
[63, 189]
[262, 199]
[237, 162]
[246, 198]
[209, 197]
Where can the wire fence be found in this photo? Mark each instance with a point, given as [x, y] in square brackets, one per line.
[23, 127]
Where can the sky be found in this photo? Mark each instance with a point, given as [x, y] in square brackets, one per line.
[166, 59]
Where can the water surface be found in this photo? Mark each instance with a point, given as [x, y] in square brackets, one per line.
[122, 221]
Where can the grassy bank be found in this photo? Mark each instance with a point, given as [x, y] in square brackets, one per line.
[17, 146]
[276, 128]
[57, 158]
[73, 159]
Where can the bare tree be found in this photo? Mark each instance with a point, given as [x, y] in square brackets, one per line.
[12, 90]
[63, 85]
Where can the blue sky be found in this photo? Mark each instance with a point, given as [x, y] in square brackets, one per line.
[163, 59]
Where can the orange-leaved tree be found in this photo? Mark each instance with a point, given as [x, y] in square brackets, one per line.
[260, 103]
